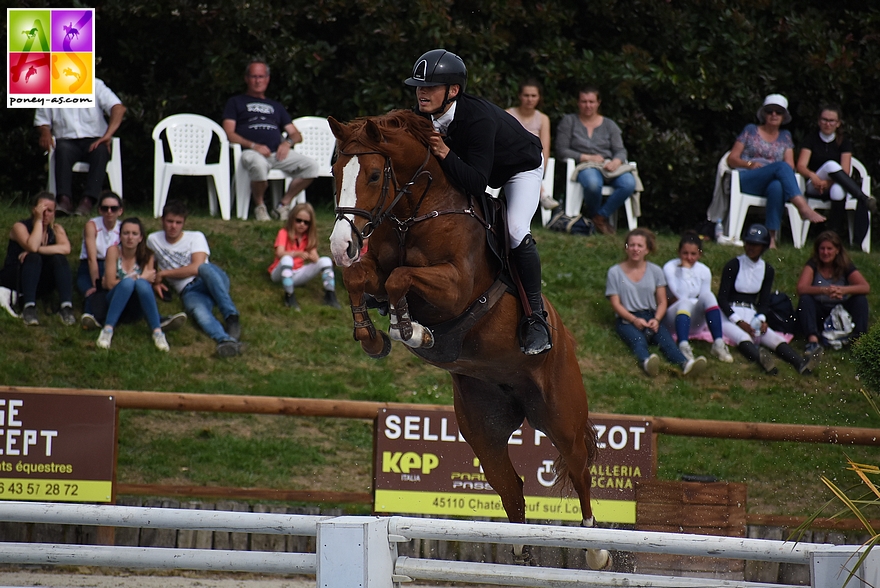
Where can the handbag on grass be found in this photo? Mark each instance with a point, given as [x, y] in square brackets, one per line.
[575, 225]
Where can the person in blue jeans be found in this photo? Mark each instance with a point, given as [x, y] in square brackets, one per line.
[595, 143]
[182, 258]
[636, 289]
[129, 272]
[764, 153]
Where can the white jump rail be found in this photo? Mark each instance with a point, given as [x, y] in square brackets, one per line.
[360, 551]
[583, 538]
[159, 557]
[159, 518]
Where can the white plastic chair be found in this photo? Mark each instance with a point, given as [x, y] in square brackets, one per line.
[188, 137]
[740, 202]
[114, 168]
[318, 143]
[574, 197]
[803, 227]
[547, 184]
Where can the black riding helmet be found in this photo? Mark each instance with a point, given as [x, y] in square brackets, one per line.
[758, 234]
[439, 67]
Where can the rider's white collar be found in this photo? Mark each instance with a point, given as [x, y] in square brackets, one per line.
[441, 123]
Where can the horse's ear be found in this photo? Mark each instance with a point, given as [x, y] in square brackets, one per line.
[340, 131]
[373, 132]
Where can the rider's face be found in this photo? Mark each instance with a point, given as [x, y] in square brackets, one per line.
[430, 98]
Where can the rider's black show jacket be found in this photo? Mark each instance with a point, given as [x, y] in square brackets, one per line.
[488, 146]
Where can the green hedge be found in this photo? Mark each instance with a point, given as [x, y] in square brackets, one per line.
[866, 352]
[681, 77]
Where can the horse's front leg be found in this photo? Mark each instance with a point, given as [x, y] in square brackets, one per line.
[358, 280]
[406, 330]
[441, 285]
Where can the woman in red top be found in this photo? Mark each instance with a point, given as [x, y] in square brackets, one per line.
[296, 257]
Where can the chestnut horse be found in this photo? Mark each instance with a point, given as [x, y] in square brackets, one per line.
[428, 256]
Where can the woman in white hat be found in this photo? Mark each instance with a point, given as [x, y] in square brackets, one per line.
[765, 155]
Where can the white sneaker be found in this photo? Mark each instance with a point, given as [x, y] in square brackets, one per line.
[719, 350]
[160, 342]
[695, 366]
[105, 338]
[686, 350]
[89, 322]
[173, 322]
[548, 202]
[282, 211]
[652, 365]
[261, 214]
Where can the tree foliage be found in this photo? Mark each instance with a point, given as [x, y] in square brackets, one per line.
[681, 77]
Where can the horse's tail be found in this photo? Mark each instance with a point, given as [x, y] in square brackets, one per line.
[563, 481]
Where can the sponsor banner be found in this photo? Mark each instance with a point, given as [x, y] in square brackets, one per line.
[448, 504]
[50, 57]
[424, 466]
[56, 447]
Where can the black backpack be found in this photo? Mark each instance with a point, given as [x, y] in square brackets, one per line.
[781, 315]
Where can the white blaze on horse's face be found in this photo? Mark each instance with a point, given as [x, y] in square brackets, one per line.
[341, 237]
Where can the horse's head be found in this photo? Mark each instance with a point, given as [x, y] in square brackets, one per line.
[373, 154]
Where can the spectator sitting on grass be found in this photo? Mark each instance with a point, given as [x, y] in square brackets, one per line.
[100, 234]
[296, 257]
[36, 263]
[744, 298]
[129, 280]
[636, 289]
[182, 259]
[690, 284]
[830, 279]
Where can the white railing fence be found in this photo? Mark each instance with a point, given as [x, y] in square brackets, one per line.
[362, 551]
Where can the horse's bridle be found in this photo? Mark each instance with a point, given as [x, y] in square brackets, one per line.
[381, 212]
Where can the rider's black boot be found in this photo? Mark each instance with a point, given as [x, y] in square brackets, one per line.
[803, 364]
[759, 355]
[534, 332]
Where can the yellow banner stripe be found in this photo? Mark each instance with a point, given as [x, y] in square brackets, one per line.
[55, 490]
[489, 505]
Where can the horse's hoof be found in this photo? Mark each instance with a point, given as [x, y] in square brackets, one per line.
[386, 347]
[427, 338]
[599, 559]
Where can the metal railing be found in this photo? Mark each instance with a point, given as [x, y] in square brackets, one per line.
[362, 551]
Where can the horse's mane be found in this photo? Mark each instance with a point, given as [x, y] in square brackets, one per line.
[396, 124]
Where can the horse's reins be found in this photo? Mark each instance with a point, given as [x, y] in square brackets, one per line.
[377, 216]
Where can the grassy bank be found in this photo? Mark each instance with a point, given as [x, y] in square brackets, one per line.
[311, 354]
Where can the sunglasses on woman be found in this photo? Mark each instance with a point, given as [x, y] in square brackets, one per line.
[109, 208]
[774, 110]
[306, 222]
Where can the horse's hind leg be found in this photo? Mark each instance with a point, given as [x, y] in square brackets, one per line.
[565, 420]
[574, 462]
[486, 419]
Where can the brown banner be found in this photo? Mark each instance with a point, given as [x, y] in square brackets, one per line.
[56, 447]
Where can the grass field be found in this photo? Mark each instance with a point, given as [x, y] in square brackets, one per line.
[311, 354]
